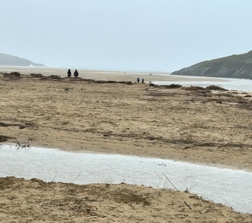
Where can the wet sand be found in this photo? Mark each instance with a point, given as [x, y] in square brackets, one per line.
[195, 125]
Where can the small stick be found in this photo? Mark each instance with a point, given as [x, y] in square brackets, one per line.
[177, 190]
[55, 176]
[187, 205]
[76, 177]
[18, 144]
[170, 182]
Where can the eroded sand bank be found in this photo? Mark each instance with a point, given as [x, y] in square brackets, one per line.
[37, 201]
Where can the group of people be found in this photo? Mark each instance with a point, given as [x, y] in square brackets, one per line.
[76, 74]
[138, 80]
[69, 74]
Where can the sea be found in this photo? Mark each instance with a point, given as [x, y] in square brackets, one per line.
[235, 84]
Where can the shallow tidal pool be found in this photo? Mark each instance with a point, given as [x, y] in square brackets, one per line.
[220, 185]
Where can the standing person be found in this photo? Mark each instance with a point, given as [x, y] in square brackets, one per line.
[142, 81]
[69, 73]
[76, 74]
[138, 80]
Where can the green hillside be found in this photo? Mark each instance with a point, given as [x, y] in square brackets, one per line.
[9, 60]
[235, 66]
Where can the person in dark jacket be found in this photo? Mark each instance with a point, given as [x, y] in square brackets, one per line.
[76, 74]
[138, 80]
[69, 73]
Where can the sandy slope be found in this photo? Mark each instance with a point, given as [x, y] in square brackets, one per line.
[36, 201]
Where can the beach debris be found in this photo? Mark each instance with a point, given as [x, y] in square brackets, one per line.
[178, 190]
[23, 145]
[54, 77]
[55, 176]
[172, 86]
[51, 77]
[22, 126]
[170, 182]
[36, 75]
[3, 124]
[193, 88]
[3, 138]
[28, 124]
[187, 205]
[76, 177]
[215, 87]
[12, 75]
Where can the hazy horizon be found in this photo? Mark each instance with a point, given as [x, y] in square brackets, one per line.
[120, 35]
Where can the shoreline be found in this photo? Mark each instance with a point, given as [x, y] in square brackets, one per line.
[108, 75]
[206, 164]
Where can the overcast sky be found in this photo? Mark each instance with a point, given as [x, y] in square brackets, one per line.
[142, 35]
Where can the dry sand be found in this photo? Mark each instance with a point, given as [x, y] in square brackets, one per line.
[36, 201]
[194, 125]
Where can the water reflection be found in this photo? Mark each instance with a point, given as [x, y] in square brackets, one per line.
[226, 186]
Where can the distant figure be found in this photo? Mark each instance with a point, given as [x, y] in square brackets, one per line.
[142, 81]
[69, 73]
[76, 74]
[138, 80]
[150, 74]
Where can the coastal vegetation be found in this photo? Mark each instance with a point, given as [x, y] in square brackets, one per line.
[9, 60]
[235, 66]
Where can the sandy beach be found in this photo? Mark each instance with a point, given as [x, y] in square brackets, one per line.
[211, 127]
[103, 75]
[37, 201]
